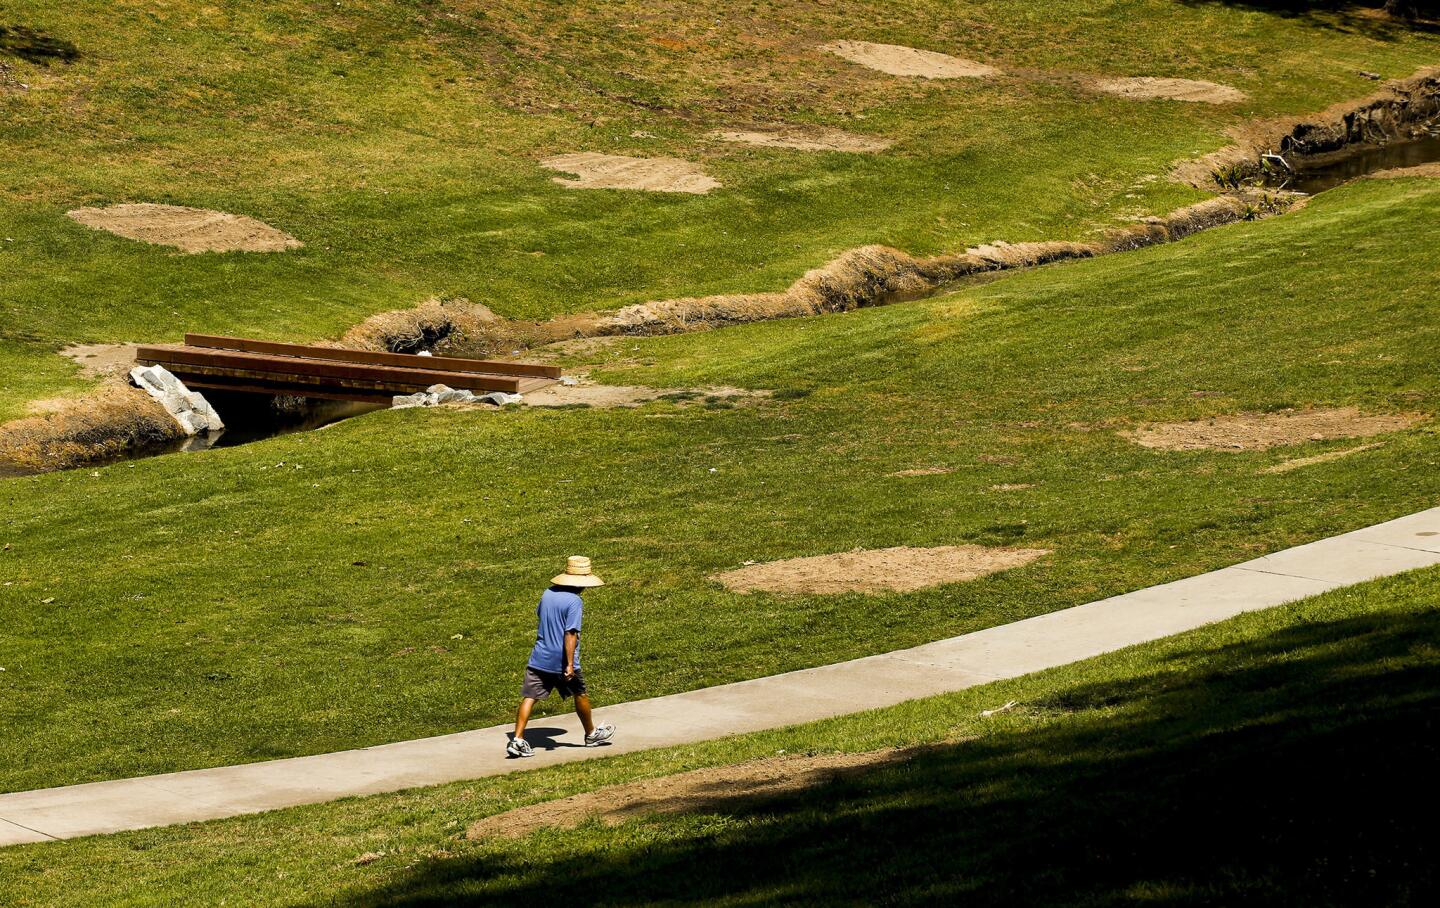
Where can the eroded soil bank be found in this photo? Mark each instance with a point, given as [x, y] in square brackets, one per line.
[1402, 111]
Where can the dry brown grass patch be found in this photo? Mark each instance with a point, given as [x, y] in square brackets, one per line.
[924, 471]
[893, 570]
[1260, 431]
[717, 788]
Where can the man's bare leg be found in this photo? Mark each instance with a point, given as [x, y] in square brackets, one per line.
[582, 709]
[522, 717]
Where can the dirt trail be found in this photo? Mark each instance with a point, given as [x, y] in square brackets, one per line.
[611, 171]
[900, 569]
[717, 788]
[190, 230]
[898, 60]
[1260, 431]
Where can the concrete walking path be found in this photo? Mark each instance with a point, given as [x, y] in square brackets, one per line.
[1006, 651]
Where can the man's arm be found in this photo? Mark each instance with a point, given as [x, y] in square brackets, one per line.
[572, 640]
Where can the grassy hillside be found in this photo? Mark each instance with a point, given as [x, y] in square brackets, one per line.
[399, 141]
[1258, 760]
[304, 594]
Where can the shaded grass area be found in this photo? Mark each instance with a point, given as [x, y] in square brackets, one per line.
[305, 594]
[399, 140]
[1281, 756]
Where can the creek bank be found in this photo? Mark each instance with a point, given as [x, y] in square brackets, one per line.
[1405, 110]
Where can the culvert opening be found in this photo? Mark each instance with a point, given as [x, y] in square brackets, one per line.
[255, 417]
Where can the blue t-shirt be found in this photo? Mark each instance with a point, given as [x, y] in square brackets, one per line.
[559, 611]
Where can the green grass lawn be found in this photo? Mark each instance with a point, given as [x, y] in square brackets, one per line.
[399, 141]
[304, 594]
[1279, 757]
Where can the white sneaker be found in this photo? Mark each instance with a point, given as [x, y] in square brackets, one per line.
[600, 735]
[519, 747]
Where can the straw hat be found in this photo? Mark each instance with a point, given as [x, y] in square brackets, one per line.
[577, 573]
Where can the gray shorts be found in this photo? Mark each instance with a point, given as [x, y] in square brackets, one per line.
[538, 684]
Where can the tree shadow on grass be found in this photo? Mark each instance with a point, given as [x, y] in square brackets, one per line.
[35, 46]
[1348, 16]
[1293, 769]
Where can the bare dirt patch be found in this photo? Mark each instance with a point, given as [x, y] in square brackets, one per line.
[608, 396]
[190, 230]
[101, 360]
[804, 138]
[899, 569]
[718, 788]
[1259, 431]
[1145, 88]
[924, 471]
[1431, 170]
[898, 60]
[1328, 456]
[611, 171]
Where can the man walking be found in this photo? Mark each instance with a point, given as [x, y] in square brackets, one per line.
[555, 660]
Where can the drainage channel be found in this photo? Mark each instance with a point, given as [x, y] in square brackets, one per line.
[1322, 172]
[247, 418]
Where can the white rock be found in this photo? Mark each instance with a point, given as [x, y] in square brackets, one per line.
[500, 398]
[189, 408]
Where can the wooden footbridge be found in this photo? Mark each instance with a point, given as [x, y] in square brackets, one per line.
[266, 367]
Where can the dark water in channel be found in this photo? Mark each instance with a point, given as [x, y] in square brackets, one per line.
[1319, 176]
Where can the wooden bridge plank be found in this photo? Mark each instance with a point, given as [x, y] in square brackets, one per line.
[406, 360]
[200, 360]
